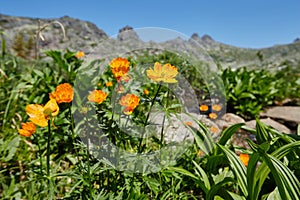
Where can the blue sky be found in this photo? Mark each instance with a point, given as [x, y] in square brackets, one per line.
[251, 23]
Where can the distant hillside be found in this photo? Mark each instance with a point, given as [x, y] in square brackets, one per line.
[20, 33]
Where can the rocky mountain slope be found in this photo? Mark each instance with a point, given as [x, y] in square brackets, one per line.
[20, 33]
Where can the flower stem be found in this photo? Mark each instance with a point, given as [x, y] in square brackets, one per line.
[72, 122]
[163, 123]
[147, 118]
[48, 150]
[89, 166]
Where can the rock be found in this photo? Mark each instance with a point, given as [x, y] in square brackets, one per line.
[285, 113]
[207, 38]
[231, 119]
[127, 34]
[195, 37]
[269, 122]
[174, 129]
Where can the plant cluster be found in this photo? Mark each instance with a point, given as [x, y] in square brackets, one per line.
[248, 92]
[55, 116]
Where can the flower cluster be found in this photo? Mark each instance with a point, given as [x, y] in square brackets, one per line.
[40, 115]
[120, 68]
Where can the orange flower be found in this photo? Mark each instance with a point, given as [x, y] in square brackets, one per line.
[146, 92]
[27, 130]
[213, 115]
[79, 54]
[244, 158]
[164, 73]
[188, 123]
[63, 93]
[203, 108]
[130, 101]
[109, 84]
[214, 129]
[97, 96]
[120, 67]
[217, 107]
[200, 153]
[36, 114]
[51, 108]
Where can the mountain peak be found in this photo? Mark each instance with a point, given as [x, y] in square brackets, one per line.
[207, 38]
[195, 36]
[127, 33]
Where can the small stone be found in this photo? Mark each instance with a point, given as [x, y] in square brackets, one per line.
[269, 122]
[286, 113]
[230, 119]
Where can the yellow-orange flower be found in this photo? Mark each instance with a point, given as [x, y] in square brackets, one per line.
[146, 92]
[36, 114]
[79, 54]
[63, 93]
[203, 108]
[39, 115]
[130, 101]
[165, 73]
[120, 67]
[244, 158]
[51, 108]
[27, 130]
[109, 84]
[200, 153]
[216, 107]
[214, 129]
[213, 115]
[97, 96]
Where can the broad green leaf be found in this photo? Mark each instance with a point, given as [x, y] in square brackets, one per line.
[236, 196]
[263, 170]
[203, 175]
[214, 189]
[237, 167]
[275, 195]
[11, 148]
[228, 132]
[262, 135]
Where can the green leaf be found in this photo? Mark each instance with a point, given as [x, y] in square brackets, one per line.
[183, 172]
[228, 132]
[11, 148]
[264, 169]
[237, 167]
[214, 190]
[153, 184]
[287, 183]
[236, 196]
[203, 176]
[275, 195]
[58, 59]
[262, 133]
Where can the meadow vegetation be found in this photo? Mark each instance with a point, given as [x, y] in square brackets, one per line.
[47, 149]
